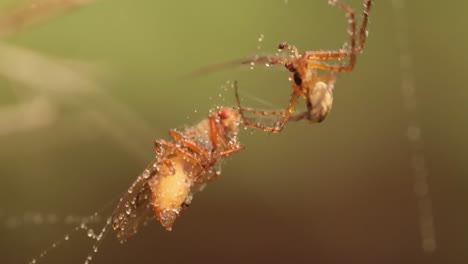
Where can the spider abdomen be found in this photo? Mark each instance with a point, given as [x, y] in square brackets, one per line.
[319, 102]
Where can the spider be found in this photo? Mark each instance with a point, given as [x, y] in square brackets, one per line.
[306, 82]
[181, 167]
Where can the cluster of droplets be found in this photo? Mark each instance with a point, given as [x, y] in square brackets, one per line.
[98, 240]
[83, 226]
[260, 40]
[221, 98]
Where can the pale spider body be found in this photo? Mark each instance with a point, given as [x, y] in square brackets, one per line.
[182, 167]
[318, 94]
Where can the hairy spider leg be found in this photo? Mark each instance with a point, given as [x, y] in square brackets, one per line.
[342, 53]
[316, 56]
[285, 115]
[161, 145]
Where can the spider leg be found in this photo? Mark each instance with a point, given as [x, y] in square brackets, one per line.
[225, 153]
[350, 15]
[162, 145]
[342, 53]
[215, 130]
[268, 59]
[299, 116]
[232, 150]
[364, 23]
[326, 54]
[192, 146]
[285, 114]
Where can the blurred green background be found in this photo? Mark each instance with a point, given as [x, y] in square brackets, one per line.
[338, 192]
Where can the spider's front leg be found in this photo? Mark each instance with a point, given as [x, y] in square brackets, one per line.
[284, 115]
[202, 154]
[231, 150]
[268, 59]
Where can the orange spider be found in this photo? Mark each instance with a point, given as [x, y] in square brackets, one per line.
[181, 167]
[307, 83]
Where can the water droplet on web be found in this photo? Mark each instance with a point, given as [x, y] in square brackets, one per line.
[91, 233]
[218, 170]
[260, 37]
[146, 174]
[128, 211]
[33, 261]
[66, 237]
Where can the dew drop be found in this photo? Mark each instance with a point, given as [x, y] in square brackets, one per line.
[146, 174]
[260, 37]
[33, 261]
[90, 233]
[128, 211]
[66, 237]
